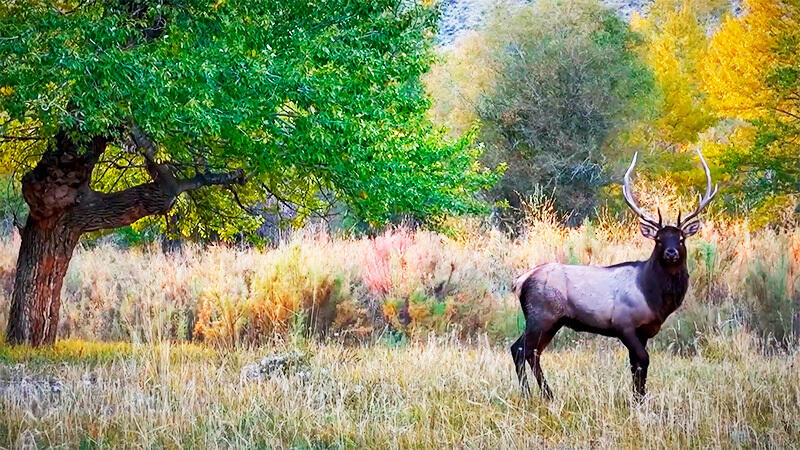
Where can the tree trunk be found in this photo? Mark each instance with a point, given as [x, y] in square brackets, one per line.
[43, 259]
[63, 207]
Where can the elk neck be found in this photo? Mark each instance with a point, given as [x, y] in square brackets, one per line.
[664, 285]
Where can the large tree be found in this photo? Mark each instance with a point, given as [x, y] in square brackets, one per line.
[111, 109]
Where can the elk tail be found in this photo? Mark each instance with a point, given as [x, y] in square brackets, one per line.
[516, 286]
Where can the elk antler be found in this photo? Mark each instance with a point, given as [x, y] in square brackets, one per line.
[704, 199]
[626, 193]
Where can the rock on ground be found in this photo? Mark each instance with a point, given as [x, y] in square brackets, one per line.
[280, 364]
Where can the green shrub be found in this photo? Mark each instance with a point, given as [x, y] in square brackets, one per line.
[687, 330]
[505, 324]
[773, 301]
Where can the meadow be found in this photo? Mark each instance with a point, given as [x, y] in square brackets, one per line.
[434, 393]
[401, 340]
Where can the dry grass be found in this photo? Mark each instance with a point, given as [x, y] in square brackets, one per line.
[415, 283]
[430, 317]
[431, 394]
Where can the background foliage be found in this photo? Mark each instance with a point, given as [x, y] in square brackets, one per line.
[752, 74]
[562, 80]
[558, 95]
[680, 75]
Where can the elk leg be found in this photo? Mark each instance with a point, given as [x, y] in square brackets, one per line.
[538, 341]
[518, 353]
[640, 360]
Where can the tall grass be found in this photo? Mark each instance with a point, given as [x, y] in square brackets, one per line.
[411, 284]
[432, 393]
[429, 310]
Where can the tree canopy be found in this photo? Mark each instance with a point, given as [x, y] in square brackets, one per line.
[752, 73]
[313, 101]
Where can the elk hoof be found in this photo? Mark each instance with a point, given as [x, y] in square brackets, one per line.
[547, 394]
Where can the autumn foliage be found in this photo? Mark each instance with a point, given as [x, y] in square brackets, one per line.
[724, 80]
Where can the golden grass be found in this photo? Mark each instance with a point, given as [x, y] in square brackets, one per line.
[433, 314]
[430, 394]
[417, 283]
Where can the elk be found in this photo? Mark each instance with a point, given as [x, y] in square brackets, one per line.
[629, 301]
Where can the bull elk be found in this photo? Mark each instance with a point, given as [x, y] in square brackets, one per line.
[629, 301]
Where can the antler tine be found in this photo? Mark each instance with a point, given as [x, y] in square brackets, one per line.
[704, 199]
[626, 193]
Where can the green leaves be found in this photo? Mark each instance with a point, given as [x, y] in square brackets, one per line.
[316, 99]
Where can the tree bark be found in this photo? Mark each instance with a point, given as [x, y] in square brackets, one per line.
[44, 256]
[62, 208]
[51, 190]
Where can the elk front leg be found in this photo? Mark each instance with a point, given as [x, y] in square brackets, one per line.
[640, 361]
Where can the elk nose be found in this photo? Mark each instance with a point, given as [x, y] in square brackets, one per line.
[671, 254]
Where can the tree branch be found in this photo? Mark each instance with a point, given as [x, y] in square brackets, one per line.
[9, 138]
[97, 210]
[211, 179]
[160, 173]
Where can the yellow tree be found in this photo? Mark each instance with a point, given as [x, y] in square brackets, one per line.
[751, 72]
[464, 73]
[751, 59]
[675, 39]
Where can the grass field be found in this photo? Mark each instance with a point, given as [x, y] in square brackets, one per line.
[403, 342]
[432, 394]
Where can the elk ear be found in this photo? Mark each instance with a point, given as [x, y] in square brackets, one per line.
[690, 228]
[648, 231]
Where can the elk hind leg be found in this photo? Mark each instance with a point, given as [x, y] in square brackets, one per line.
[537, 341]
[518, 354]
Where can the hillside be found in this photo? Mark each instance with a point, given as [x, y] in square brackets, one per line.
[459, 16]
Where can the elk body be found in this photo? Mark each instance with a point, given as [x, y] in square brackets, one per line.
[629, 301]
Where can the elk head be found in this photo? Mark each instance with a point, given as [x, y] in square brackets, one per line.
[670, 247]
